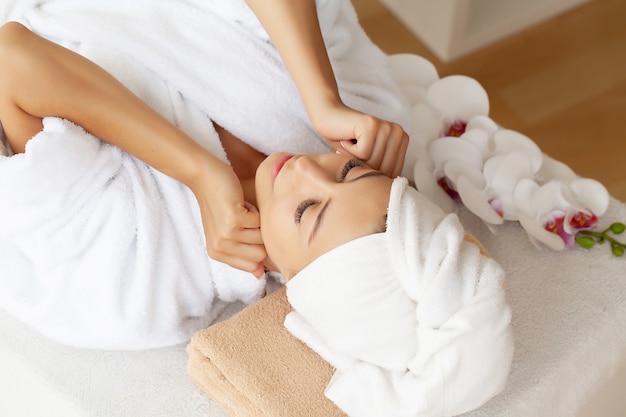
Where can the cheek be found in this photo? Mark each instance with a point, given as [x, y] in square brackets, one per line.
[274, 229]
[281, 239]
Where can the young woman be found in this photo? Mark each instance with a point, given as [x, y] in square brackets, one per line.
[49, 67]
[380, 273]
[91, 98]
[332, 198]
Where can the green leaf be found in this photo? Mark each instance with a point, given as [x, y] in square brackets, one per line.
[617, 250]
[618, 228]
[586, 242]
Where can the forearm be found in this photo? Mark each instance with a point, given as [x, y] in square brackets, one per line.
[49, 80]
[294, 29]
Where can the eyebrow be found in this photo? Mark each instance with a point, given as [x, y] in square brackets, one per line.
[322, 212]
[368, 175]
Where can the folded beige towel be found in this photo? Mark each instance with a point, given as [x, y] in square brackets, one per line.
[252, 366]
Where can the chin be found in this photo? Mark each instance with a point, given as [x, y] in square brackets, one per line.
[264, 168]
[262, 180]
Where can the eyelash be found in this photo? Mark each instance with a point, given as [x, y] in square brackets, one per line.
[353, 163]
[302, 207]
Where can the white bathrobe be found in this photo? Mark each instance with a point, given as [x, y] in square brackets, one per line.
[97, 249]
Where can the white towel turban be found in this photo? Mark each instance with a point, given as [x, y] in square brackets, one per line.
[420, 310]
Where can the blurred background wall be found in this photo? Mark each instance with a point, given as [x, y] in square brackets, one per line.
[556, 74]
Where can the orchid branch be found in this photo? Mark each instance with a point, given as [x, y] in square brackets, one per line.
[587, 238]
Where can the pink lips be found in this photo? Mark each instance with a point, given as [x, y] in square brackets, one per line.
[278, 165]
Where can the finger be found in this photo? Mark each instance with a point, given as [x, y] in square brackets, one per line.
[231, 243]
[404, 145]
[388, 164]
[257, 269]
[247, 218]
[249, 236]
[361, 148]
[251, 253]
[392, 151]
[259, 272]
[365, 132]
[378, 152]
[238, 255]
[250, 207]
[232, 232]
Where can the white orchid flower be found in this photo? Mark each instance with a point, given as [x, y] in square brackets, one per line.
[456, 99]
[448, 106]
[554, 212]
[482, 167]
[515, 157]
[494, 202]
[457, 153]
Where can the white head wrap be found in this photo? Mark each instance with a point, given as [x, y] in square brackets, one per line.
[419, 308]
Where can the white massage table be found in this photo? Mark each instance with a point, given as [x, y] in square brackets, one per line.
[42, 378]
[569, 314]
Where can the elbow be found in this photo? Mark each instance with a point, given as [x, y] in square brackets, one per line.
[14, 40]
[13, 33]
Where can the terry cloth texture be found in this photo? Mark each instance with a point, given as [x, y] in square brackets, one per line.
[568, 317]
[252, 366]
[419, 310]
[101, 237]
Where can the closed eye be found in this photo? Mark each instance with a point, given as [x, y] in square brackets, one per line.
[297, 215]
[352, 163]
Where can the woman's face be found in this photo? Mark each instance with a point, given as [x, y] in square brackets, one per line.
[310, 204]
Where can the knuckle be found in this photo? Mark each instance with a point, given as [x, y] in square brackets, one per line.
[398, 132]
[218, 246]
[244, 266]
[229, 223]
[261, 255]
[372, 122]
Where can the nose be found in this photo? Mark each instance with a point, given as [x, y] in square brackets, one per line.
[308, 171]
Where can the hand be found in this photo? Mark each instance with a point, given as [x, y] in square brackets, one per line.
[382, 144]
[231, 226]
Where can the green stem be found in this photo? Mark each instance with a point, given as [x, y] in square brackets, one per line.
[616, 246]
[601, 237]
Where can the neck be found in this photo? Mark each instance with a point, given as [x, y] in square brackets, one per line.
[244, 160]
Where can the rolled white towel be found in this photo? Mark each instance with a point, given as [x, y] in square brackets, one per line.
[421, 309]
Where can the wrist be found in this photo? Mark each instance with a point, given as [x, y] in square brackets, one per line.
[199, 169]
[320, 107]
